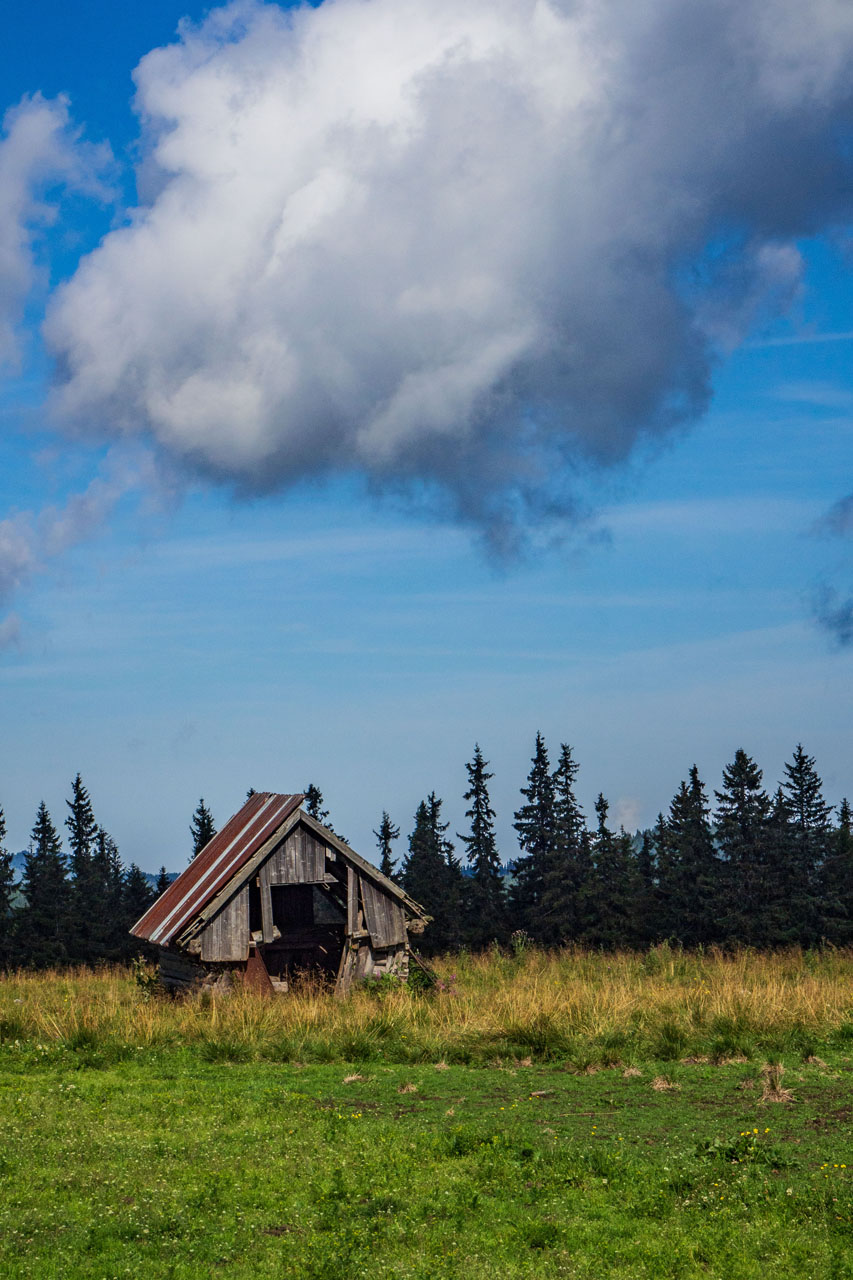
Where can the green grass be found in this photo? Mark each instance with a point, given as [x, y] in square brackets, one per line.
[170, 1162]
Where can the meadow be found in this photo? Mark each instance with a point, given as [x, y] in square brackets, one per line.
[535, 1114]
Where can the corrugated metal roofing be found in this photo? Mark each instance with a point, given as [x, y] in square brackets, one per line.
[229, 850]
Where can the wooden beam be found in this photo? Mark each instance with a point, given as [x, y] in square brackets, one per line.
[266, 906]
[356, 860]
[352, 901]
[242, 876]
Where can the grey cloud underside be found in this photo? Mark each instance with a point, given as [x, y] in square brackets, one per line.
[834, 613]
[474, 246]
[832, 608]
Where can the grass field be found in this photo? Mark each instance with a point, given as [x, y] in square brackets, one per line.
[566, 1115]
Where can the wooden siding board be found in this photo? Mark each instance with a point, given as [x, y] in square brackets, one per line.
[352, 901]
[243, 875]
[366, 868]
[385, 921]
[226, 936]
[301, 859]
[266, 901]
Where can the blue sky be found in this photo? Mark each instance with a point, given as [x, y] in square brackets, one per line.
[200, 634]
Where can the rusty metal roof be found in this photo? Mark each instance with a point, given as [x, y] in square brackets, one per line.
[220, 859]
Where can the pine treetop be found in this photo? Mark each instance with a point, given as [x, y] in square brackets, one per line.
[387, 833]
[82, 829]
[202, 828]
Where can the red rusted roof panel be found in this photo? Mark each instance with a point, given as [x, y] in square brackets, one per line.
[229, 850]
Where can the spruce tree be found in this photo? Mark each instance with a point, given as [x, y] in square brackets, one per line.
[387, 833]
[610, 893]
[109, 928]
[314, 806]
[432, 876]
[688, 868]
[742, 834]
[7, 892]
[484, 912]
[534, 825]
[82, 830]
[42, 924]
[809, 840]
[838, 881]
[137, 896]
[202, 828]
[163, 881]
[566, 862]
[646, 910]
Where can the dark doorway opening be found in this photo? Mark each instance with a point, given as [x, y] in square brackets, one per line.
[312, 925]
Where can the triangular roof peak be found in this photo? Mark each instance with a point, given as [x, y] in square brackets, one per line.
[259, 826]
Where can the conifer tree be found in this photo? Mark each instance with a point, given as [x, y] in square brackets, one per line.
[808, 846]
[109, 928]
[566, 861]
[646, 908]
[42, 924]
[202, 828]
[387, 833]
[137, 896]
[742, 831]
[7, 890]
[432, 876]
[688, 867]
[838, 881]
[82, 830]
[611, 889]
[534, 825]
[163, 881]
[484, 912]
[314, 806]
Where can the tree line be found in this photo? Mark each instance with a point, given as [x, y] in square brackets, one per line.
[73, 907]
[752, 868]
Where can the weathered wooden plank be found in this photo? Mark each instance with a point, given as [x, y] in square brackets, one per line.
[226, 936]
[266, 903]
[178, 970]
[352, 901]
[345, 973]
[384, 918]
[300, 859]
[355, 859]
[244, 875]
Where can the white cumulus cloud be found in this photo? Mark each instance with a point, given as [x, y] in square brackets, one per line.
[468, 244]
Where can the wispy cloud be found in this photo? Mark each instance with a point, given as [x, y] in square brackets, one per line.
[834, 613]
[801, 339]
[30, 541]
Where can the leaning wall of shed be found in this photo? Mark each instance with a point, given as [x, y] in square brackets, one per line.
[383, 917]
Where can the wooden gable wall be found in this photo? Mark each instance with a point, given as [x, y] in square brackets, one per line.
[301, 858]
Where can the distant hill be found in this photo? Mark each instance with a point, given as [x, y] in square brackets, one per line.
[18, 864]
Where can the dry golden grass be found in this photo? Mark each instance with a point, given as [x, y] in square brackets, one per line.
[589, 1008]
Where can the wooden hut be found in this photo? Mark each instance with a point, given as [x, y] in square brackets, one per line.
[275, 893]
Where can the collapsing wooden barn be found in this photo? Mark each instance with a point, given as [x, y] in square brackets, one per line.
[276, 894]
